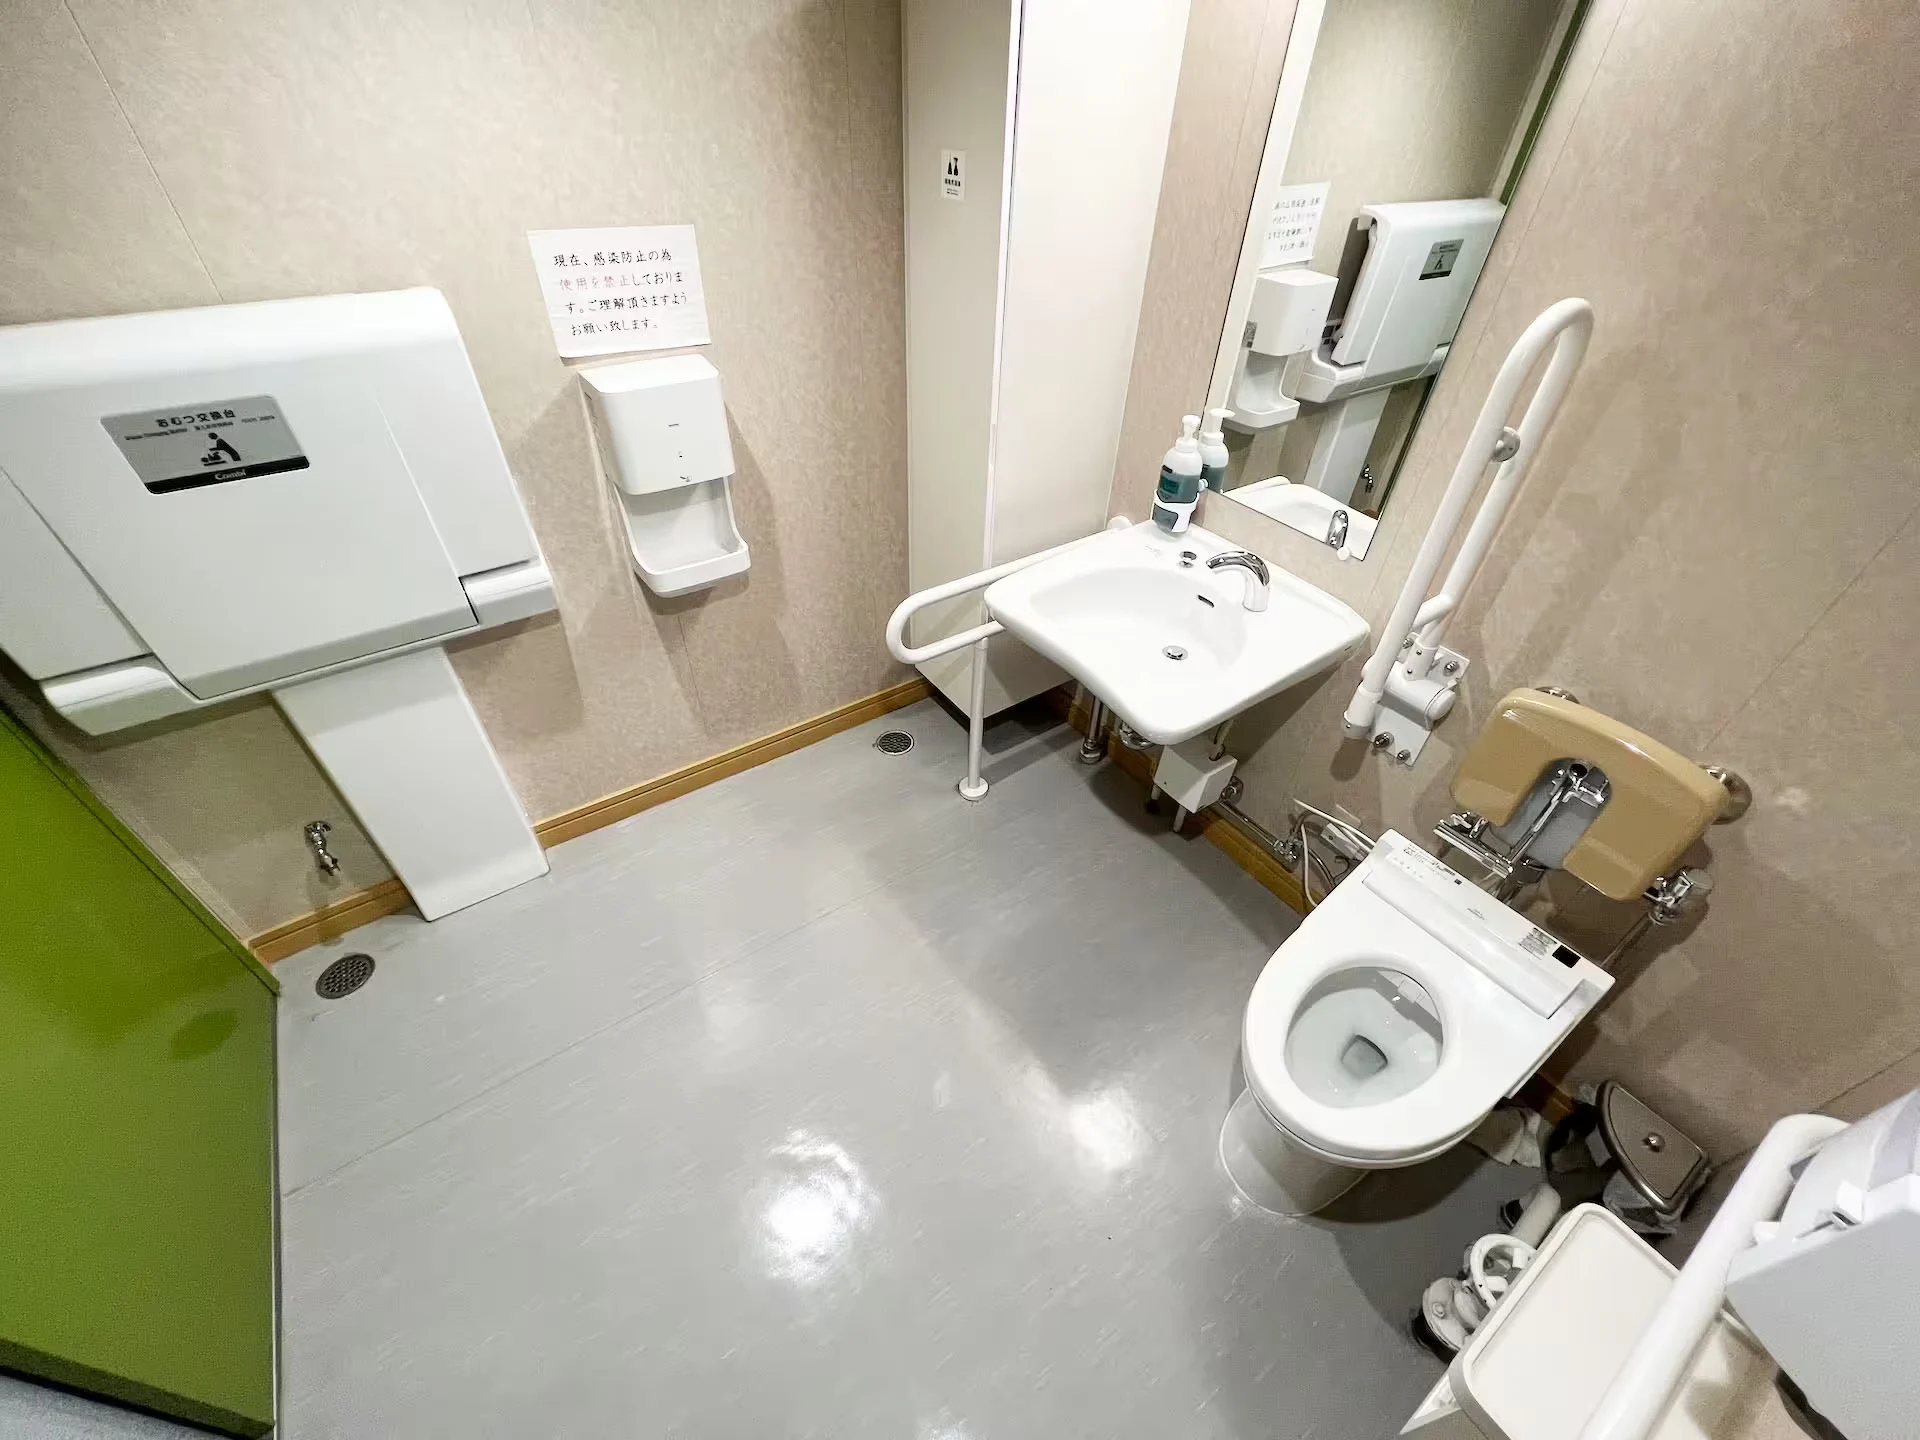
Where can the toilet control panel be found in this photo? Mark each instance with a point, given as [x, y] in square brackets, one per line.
[1535, 967]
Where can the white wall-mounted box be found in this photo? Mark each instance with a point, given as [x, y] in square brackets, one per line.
[662, 428]
[1289, 310]
[663, 421]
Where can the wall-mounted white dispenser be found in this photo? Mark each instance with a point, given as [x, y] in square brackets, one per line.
[302, 496]
[662, 427]
[1285, 317]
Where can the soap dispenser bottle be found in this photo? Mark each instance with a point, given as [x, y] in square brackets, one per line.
[1179, 489]
[1213, 452]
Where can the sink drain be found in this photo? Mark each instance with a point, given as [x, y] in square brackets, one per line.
[893, 742]
[344, 976]
[1175, 652]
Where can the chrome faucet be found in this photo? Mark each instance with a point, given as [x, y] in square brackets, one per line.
[1255, 597]
[1337, 529]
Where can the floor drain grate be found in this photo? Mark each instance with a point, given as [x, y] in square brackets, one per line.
[344, 976]
[894, 742]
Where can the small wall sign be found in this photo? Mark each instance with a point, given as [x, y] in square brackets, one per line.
[617, 288]
[953, 174]
[206, 443]
[1294, 224]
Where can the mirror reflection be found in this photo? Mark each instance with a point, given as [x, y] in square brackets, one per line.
[1415, 123]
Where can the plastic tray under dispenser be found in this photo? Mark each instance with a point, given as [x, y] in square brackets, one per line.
[662, 427]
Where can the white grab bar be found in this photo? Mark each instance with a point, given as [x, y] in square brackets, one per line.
[1566, 326]
[1640, 1393]
[903, 612]
[973, 787]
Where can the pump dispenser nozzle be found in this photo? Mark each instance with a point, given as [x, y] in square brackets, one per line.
[1179, 488]
[1213, 451]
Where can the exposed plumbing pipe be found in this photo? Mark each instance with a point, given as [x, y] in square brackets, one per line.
[324, 859]
[1566, 325]
[1641, 1391]
[1294, 853]
[1093, 746]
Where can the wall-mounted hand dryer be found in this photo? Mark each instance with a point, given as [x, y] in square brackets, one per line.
[662, 426]
[305, 496]
[1285, 317]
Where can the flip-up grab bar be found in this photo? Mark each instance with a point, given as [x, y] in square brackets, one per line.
[1402, 670]
[974, 786]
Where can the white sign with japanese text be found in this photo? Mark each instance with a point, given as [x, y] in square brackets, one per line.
[621, 287]
[1294, 225]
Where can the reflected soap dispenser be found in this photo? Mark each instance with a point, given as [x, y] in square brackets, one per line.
[1213, 451]
[1179, 489]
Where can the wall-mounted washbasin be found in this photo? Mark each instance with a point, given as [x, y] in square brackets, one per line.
[1138, 617]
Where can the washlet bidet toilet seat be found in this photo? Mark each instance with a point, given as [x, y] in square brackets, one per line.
[1403, 1009]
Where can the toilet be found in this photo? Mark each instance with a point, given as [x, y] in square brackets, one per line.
[1404, 1008]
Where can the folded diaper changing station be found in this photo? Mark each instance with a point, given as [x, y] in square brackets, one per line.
[299, 497]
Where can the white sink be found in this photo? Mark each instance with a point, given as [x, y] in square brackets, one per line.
[1116, 611]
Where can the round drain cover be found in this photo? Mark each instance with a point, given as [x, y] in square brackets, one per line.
[344, 976]
[893, 742]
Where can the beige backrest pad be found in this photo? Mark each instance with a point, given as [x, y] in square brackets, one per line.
[1660, 801]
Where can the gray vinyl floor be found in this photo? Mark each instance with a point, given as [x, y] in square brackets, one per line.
[821, 1103]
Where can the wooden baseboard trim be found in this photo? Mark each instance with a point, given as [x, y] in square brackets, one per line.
[583, 819]
[390, 896]
[329, 922]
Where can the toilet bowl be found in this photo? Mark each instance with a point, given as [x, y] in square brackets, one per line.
[1403, 1009]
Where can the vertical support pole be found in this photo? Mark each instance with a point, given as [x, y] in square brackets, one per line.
[974, 787]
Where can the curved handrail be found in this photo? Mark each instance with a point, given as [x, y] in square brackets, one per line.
[974, 787]
[903, 612]
[1566, 325]
[1643, 1388]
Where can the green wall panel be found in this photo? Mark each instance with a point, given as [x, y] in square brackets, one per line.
[136, 1078]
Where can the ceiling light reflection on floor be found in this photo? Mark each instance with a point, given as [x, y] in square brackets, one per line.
[1107, 1129]
[819, 1205]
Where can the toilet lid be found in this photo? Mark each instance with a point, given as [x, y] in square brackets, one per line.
[1489, 1042]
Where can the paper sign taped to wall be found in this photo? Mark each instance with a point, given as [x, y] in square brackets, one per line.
[621, 287]
[1294, 224]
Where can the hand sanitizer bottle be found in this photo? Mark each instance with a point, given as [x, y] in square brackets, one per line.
[1179, 489]
[1213, 452]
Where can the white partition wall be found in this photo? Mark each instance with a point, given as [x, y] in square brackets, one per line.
[1024, 287]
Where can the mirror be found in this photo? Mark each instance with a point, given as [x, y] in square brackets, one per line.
[1399, 134]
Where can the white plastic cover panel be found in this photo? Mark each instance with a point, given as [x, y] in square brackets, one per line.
[257, 490]
[52, 618]
[1423, 260]
[252, 577]
[663, 420]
